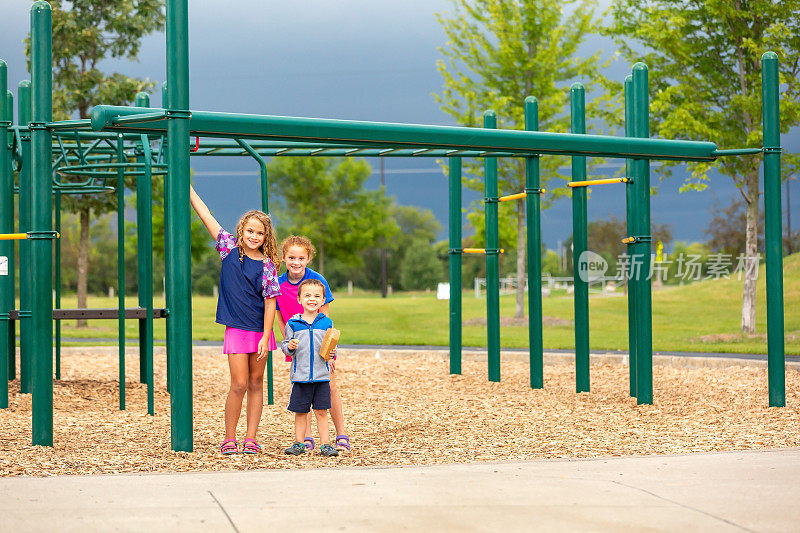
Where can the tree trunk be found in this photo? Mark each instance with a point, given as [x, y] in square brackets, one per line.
[520, 307]
[83, 261]
[751, 249]
[321, 251]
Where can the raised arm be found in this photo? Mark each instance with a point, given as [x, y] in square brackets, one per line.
[204, 213]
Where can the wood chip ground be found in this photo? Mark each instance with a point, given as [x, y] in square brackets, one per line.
[403, 411]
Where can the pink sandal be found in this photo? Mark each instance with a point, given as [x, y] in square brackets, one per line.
[229, 447]
[251, 446]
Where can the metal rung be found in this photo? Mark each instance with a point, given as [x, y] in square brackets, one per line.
[589, 183]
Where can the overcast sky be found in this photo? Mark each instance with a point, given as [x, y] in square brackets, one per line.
[354, 59]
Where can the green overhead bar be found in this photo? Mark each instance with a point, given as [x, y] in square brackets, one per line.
[391, 135]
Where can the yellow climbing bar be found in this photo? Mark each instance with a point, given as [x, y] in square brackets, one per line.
[627, 240]
[589, 183]
[30, 235]
[13, 236]
[478, 250]
[512, 197]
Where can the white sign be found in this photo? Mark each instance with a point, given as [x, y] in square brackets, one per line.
[3, 265]
[443, 291]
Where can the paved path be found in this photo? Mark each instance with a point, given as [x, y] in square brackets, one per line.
[733, 491]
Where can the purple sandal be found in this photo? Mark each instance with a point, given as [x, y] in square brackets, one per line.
[309, 442]
[251, 446]
[229, 447]
[343, 443]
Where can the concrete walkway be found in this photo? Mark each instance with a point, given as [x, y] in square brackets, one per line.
[733, 491]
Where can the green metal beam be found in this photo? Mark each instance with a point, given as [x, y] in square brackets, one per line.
[492, 257]
[630, 217]
[24, 206]
[6, 247]
[179, 267]
[579, 244]
[390, 135]
[454, 261]
[42, 220]
[641, 248]
[773, 246]
[533, 218]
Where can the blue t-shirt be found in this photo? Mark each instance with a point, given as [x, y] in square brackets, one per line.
[244, 284]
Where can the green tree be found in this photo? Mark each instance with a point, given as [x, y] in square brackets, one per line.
[205, 260]
[418, 227]
[498, 53]
[421, 268]
[325, 199]
[726, 230]
[85, 33]
[705, 84]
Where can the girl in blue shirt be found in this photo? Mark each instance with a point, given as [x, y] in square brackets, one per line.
[248, 286]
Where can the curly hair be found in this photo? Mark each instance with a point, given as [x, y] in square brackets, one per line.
[298, 240]
[270, 245]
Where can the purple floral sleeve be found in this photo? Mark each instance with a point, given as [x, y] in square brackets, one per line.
[225, 243]
[270, 288]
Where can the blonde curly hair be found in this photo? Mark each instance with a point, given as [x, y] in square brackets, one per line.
[298, 240]
[270, 245]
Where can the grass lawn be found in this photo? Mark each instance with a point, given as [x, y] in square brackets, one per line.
[703, 316]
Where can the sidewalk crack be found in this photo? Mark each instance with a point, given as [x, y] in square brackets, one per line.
[689, 507]
[225, 512]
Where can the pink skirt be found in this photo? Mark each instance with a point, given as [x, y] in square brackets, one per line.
[243, 341]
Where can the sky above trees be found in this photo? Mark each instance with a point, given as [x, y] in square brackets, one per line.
[354, 59]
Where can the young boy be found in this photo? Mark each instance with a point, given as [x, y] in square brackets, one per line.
[310, 373]
[297, 251]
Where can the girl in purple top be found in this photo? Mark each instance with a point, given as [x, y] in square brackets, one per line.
[248, 287]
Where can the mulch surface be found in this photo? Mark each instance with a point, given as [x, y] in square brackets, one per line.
[402, 411]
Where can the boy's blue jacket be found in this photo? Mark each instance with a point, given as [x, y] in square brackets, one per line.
[307, 365]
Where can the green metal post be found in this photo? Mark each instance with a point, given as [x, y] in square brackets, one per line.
[12, 328]
[41, 221]
[630, 216]
[776, 357]
[142, 100]
[6, 247]
[121, 267]
[533, 216]
[179, 271]
[641, 248]
[57, 278]
[167, 248]
[580, 245]
[25, 272]
[265, 208]
[492, 257]
[144, 230]
[454, 165]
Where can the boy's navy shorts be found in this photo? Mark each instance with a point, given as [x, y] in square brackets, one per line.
[306, 395]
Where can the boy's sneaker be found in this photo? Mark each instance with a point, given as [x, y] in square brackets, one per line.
[326, 450]
[298, 448]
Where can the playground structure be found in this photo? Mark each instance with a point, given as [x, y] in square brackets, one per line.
[261, 136]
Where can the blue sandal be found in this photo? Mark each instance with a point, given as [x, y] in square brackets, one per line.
[310, 444]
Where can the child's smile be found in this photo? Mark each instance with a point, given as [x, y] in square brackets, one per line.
[253, 235]
[296, 259]
[311, 298]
